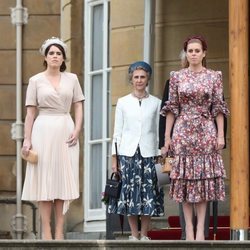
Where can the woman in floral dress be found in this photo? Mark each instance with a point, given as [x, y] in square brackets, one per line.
[195, 104]
[136, 134]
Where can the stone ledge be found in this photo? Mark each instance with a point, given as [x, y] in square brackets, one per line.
[122, 244]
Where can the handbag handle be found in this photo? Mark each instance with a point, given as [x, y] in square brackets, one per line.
[116, 151]
[170, 153]
[117, 175]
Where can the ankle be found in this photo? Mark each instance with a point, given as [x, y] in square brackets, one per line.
[46, 236]
[46, 233]
[189, 233]
[200, 235]
[59, 237]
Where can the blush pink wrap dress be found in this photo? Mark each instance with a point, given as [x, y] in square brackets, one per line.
[56, 175]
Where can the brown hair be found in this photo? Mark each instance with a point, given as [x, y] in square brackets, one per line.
[200, 40]
[195, 38]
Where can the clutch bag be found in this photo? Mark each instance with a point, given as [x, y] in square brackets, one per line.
[167, 166]
[32, 157]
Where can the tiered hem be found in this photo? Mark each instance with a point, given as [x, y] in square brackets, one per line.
[198, 178]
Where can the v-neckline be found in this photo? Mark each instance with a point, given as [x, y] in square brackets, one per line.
[50, 83]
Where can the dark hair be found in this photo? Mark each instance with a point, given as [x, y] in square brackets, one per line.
[63, 66]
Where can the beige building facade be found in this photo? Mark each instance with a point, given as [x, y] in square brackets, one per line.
[103, 37]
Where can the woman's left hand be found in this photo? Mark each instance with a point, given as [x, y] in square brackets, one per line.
[72, 141]
[220, 143]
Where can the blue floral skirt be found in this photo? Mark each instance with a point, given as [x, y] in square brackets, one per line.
[140, 194]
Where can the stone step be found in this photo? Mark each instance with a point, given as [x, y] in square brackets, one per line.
[122, 245]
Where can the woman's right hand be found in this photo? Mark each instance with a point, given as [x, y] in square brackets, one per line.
[114, 168]
[114, 164]
[26, 147]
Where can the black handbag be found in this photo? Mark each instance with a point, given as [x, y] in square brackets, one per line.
[113, 186]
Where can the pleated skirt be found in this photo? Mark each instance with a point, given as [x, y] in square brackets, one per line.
[56, 175]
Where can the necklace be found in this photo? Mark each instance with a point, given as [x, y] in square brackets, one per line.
[140, 97]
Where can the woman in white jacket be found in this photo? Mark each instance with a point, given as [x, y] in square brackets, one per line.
[136, 134]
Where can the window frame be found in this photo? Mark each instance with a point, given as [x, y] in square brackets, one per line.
[95, 219]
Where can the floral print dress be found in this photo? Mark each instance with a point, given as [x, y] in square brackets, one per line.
[196, 98]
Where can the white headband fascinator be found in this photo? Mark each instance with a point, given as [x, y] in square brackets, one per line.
[50, 41]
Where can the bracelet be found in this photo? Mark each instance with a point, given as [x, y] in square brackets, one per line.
[167, 139]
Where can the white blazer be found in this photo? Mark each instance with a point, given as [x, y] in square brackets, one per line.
[137, 125]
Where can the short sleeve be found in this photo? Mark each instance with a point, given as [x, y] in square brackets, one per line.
[31, 93]
[78, 95]
[172, 104]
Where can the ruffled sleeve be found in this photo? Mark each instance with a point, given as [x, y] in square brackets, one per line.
[172, 104]
[218, 104]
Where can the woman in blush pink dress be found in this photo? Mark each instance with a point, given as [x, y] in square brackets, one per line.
[51, 132]
[195, 103]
